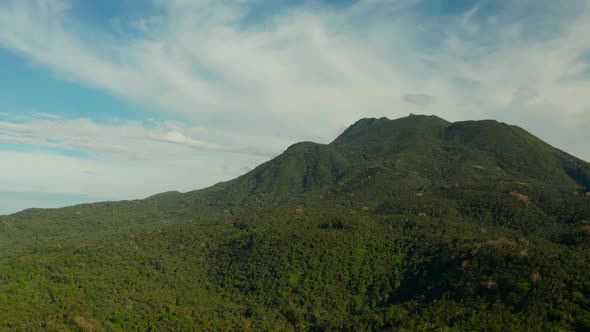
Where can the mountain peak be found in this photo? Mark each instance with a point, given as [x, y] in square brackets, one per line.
[383, 127]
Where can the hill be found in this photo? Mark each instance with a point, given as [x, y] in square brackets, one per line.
[408, 224]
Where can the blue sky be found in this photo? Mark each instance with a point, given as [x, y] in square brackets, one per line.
[104, 100]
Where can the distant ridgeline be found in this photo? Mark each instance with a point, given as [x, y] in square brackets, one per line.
[413, 224]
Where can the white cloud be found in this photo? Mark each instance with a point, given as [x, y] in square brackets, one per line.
[304, 64]
[131, 139]
[121, 160]
[194, 63]
[176, 137]
[46, 115]
[50, 173]
[113, 175]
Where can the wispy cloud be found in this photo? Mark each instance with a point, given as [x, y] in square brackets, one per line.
[119, 160]
[176, 137]
[128, 139]
[309, 62]
[46, 115]
[303, 63]
[45, 173]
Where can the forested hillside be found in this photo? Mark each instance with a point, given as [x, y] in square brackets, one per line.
[414, 224]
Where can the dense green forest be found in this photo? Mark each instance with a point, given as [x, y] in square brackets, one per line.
[414, 224]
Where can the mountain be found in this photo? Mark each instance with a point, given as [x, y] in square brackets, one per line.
[408, 224]
[388, 157]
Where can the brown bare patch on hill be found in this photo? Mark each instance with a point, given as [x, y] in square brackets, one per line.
[490, 283]
[25, 260]
[85, 324]
[465, 264]
[521, 197]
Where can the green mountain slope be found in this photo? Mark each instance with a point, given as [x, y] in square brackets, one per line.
[388, 157]
[426, 146]
[414, 224]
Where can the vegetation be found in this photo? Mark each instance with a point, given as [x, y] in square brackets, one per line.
[415, 224]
